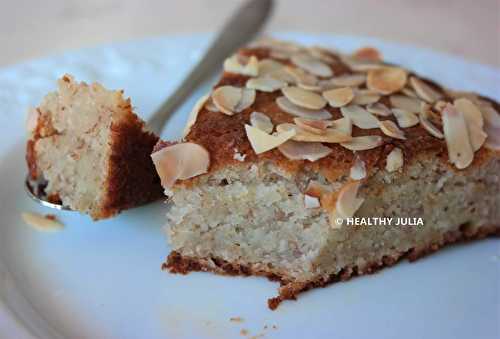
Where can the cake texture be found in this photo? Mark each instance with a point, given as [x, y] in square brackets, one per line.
[289, 164]
[88, 150]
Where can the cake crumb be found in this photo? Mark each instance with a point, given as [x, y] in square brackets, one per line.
[44, 223]
[236, 319]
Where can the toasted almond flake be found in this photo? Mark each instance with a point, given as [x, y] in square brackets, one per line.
[460, 151]
[179, 162]
[331, 135]
[194, 114]
[227, 98]
[347, 202]
[493, 140]
[282, 75]
[233, 65]
[365, 97]
[262, 122]
[427, 124]
[313, 126]
[386, 80]
[343, 125]
[407, 103]
[359, 116]
[42, 223]
[312, 65]
[313, 88]
[247, 100]
[405, 118]
[363, 143]
[321, 54]
[462, 94]
[311, 202]
[391, 129]
[358, 169]
[424, 91]
[440, 105]
[296, 150]
[209, 105]
[267, 66]
[300, 76]
[474, 121]
[394, 160]
[379, 109]
[282, 55]
[290, 108]
[351, 80]
[265, 84]
[361, 65]
[262, 142]
[339, 97]
[367, 53]
[409, 92]
[303, 98]
[490, 115]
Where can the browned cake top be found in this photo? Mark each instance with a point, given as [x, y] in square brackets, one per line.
[397, 106]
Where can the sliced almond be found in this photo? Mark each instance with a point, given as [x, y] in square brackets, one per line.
[347, 201]
[179, 162]
[343, 125]
[234, 65]
[247, 100]
[460, 151]
[357, 65]
[331, 135]
[282, 75]
[440, 105]
[365, 97]
[405, 118]
[312, 65]
[296, 150]
[351, 80]
[312, 88]
[262, 142]
[265, 84]
[268, 66]
[210, 106]
[367, 53]
[379, 109]
[409, 92]
[474, 121]
[427, 124]
[227, 98]
[300, 76]
[394, 160]
[311, 202]
[391, 129]
[424, 91]
[407, 103]
[363, 143]
[41, 222]
[290, 108]
[262, 122]
[313, 126]
[194, 114]
[386, 80]
[321, 54]
[359, 116]
[303, 98]
[490, 115]
[493, 140]
[339, 97]
[358, 169]
[282, 55]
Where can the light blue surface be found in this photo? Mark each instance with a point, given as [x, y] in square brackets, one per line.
[103, 280]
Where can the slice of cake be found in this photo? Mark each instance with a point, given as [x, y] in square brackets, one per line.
[308, 166]
[88, 150]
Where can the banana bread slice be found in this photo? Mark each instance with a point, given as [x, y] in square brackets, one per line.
[88, 150]
[289, 165]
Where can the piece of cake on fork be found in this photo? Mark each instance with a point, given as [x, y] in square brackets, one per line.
[297, 149]
[88, 150]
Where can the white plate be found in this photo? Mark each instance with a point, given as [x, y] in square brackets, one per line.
[103, 280]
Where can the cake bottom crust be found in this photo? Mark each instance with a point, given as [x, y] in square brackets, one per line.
[177, 263]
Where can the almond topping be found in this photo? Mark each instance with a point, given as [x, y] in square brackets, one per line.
[313, 126]
[440, 105]
[460, 151]
[358, 169]
[405, 118]
[359, 116]
[194, 114]
[262, 122]
[234, 65]
[424, 91]
[365, 97]
[391, 129]
[394, 160]
[343, 125]
[409, 92]
[311, 202]
[44, 223]
[339, 97]
[267, 66]
[386, 80]
[303, 98]
[331, 135]
[347, 201]
[361, 65]
[227, 98]
[321, 54]
[262, 142]
[247, 100]
[379, 109]
[474, 121]
[300, 76]
[179, 162]
[290, 108]
[490, 115]
[265, 84]
[493, 140]
[312, 65]
[351, 80]
[427, 124]
[407, 103]
[210, 106]
[367, 53]
[363, 143]
[296, 150]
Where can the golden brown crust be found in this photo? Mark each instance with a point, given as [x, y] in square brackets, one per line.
[176, 263]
